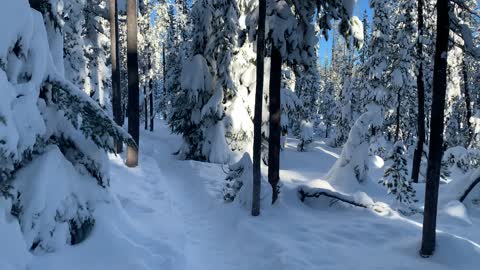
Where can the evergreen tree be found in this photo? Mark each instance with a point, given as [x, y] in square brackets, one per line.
[403, 68]
[436, 131]
[46, 116]
[396, 177]
[133, 82]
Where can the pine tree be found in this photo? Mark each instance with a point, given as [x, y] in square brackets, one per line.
[257, 139]
[376, 95]
[46, 114]
[418, 153]
[436, 130]
[403, 69]
[133, 82]
[396, 177]
[116, 92]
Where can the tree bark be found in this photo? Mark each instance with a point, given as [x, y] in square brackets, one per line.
[133, 87]
[164, 83]
[116, 91]
[150, 87]
[145, 107]
[436, 129]
[274, 122]
[417, 155]
[397, 120]
[257, 120]
[468, 103]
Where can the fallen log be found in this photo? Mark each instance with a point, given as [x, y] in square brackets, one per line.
[469, 189]
[317, 192]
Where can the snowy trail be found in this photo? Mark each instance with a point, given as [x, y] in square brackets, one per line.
[169, 214]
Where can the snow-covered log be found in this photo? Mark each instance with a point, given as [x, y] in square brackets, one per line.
[359, 199]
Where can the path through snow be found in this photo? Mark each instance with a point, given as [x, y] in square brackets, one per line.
[169, 214]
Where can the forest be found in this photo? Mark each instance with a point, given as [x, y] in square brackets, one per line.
[239, 134]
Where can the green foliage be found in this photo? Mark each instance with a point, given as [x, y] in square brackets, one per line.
[396, 178]
[86, 116]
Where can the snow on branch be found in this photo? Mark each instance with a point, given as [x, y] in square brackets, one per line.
[86, 115]
[356, 200]
[467, 35]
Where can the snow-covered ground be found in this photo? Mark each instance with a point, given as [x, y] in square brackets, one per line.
[169, 214]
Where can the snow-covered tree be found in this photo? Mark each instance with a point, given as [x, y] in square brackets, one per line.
[375, 94]
[47, 124]
[396, 178]
[402, 58]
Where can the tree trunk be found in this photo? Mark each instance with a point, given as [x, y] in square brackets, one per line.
[145, 107]
[116, 91]
[133, 88]
[436, 129]
[417, 155]
[397, 120]
[274, 122]
[164, 88]
[150, 87]
[468, 103]
[257, 120]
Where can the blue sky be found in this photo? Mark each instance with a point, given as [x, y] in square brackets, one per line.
[325, 49]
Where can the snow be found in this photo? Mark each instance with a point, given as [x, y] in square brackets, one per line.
[169, 214]
[15, 255]
[47, 200]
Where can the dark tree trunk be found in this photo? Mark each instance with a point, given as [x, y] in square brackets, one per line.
[417, 155]
[145, 107]
[274, 123]
[436, 129]
[257, 120]
[397, 118]
[164, 82]
[468, 99]
[133, 87]
[116, 91]
[150, 93]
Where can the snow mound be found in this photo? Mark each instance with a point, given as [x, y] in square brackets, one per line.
[455, 189]
[239, 186]
[351, 169]
[53, 202]
[14, 254]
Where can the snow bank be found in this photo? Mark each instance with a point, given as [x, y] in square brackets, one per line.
[54, 202]
[13, 250]
[456, 188]
[239, 186]
[352, 166]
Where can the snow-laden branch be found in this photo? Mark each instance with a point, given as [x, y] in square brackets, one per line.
[307, 192]
[469, 188]
[466, 33]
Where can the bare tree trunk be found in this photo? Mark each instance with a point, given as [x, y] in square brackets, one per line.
[150, 87]
[417, 155]
[164, 82]
[397, 120]
[468, 103]
[274, 123]
[436, 129]
[257, 120]
[133, 87]
[145, 108]
[116, 91]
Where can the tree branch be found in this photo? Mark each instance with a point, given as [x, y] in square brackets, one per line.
[469, 189]
[328, 193]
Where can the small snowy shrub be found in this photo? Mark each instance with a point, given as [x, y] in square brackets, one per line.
[306, 135]
[239, 183]
[457, 156]
[353, 161]
[396, 178]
